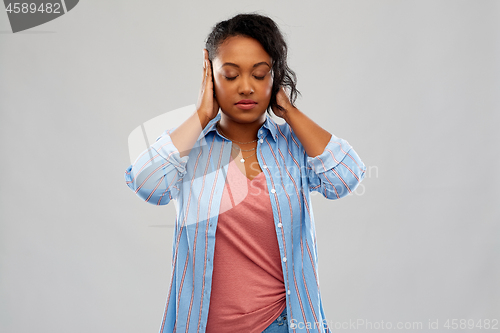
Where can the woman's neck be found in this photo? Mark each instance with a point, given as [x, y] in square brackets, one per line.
[241, 132]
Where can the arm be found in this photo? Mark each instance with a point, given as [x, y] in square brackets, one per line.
[312, 136]
[334, 168]
[185, 136]
[155, 174]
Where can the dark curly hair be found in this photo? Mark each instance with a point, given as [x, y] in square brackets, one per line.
[267, 33]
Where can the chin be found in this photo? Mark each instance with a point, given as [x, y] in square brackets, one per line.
[244, 116]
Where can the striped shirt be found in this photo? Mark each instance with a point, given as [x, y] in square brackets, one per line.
[248, 290]
[195, 183]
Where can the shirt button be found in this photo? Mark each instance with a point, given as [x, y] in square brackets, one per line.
[273, 190]
[264, 166]
[261, 141]
[288, 291]
[260, 132]
[280, 225]
[284, 259]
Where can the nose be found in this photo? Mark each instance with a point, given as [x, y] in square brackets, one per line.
[245, 87]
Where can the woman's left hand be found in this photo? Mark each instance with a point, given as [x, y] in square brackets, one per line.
[282, 100]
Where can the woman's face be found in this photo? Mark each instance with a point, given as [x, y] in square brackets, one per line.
[243, 79]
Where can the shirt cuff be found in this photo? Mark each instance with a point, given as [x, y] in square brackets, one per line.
[334, 152]
[166, 149]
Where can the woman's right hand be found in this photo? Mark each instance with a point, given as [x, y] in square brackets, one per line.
[207, 105]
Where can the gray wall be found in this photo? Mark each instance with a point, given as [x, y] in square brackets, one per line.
[412, 85]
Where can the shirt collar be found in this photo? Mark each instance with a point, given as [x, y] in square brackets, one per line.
[269, 124]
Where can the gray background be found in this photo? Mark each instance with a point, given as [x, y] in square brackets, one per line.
[412, 85]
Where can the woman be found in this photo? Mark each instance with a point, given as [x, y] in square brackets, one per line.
[239, 178]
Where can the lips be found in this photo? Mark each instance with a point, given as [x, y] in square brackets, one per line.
[246, 102]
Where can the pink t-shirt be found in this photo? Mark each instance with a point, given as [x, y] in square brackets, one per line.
[248, 290]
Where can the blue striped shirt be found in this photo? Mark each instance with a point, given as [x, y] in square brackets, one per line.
[195, 183]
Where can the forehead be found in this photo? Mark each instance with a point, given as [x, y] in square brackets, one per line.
[242, 51]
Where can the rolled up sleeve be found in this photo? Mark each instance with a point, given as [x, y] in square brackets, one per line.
[156, 173]
[337, 171]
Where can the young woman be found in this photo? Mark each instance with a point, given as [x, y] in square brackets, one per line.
[244, 255]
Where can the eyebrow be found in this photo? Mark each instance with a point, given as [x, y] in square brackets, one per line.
[234, 65]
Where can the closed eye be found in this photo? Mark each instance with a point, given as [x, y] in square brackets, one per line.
[234, 77]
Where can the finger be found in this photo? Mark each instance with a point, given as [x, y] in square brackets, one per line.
[207, 76]
[209, 69]
[209, 64]
[203, 88]
[205, 59]
[203, 72]
[205, 62]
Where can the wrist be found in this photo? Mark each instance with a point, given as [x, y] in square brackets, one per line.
[203, 117]
[290, 113]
